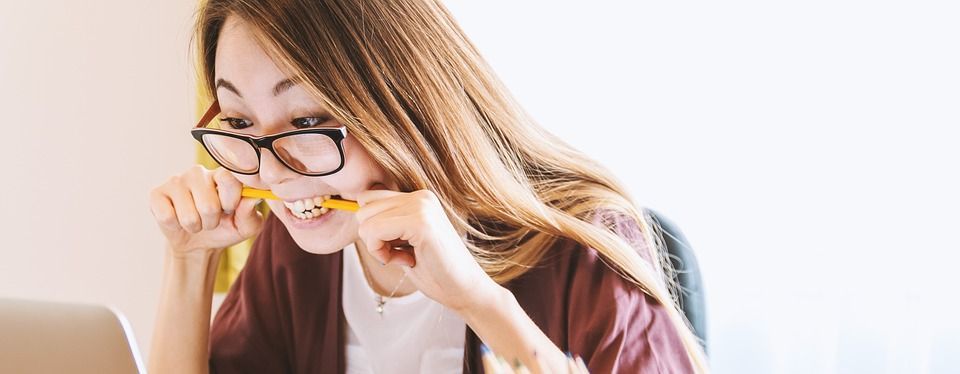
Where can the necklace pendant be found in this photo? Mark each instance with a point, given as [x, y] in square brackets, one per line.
[380, 303]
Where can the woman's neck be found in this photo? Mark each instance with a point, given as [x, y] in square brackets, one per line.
[383, 279]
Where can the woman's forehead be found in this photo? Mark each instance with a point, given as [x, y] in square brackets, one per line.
[241, 61]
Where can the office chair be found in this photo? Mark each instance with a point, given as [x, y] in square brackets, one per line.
[684, 261]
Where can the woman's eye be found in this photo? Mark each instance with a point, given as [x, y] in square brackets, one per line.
[237, 123]
[308, 122]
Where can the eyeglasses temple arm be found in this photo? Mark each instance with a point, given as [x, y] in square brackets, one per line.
[208, 116]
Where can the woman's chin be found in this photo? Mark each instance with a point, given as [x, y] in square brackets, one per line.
[320, 236]
[321, 246]
[320, 249]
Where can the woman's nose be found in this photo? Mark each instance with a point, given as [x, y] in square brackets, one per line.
[272, 171]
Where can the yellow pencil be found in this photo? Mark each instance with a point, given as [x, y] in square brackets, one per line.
[253, 192]
[347, 205]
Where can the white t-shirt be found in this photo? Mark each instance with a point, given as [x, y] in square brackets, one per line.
[414, 335]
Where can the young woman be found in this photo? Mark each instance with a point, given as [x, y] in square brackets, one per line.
[518, 240]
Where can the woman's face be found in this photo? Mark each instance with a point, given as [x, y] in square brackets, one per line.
[251, 88]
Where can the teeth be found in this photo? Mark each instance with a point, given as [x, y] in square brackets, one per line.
[308, 208]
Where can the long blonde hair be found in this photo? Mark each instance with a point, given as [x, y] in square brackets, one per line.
[414, 91]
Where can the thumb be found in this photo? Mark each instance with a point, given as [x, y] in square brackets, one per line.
[247, 219]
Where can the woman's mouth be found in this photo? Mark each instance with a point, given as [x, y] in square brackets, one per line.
[309, 208]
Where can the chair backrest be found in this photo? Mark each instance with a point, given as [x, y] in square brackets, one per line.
[690, 293]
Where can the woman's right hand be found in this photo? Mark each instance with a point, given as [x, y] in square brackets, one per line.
[201, 210]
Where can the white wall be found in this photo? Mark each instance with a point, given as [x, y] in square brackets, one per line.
[807, 149]
[96, 103]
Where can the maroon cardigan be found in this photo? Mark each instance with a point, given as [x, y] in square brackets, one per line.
[283, 314]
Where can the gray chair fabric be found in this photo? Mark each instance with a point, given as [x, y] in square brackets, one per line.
[688, 277]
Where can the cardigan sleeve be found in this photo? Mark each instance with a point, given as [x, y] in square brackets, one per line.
[246, 336]
[615, 326]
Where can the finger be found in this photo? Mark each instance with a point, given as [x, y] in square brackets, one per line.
[504, 366]
[377, 249]
[369, 196]
[519, 368]
[187, 214]
[248, 220]
[491, 364]
[228, 189]
[163, 212]
[378, 231]
[402, 257]
[204, 192]
[377, 207]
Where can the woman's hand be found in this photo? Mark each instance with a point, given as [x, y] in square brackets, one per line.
[439, 263]
[442, 268]
[201, 210]
[495, 364]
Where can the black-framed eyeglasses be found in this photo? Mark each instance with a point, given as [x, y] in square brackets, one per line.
[311, 152]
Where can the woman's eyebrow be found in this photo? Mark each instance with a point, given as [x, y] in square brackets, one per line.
[229, 86]
[278, 89]
[283, 86]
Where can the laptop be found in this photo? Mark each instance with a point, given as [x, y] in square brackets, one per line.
[47, 337]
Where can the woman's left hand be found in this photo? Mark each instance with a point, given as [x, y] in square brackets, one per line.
[439, 263]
